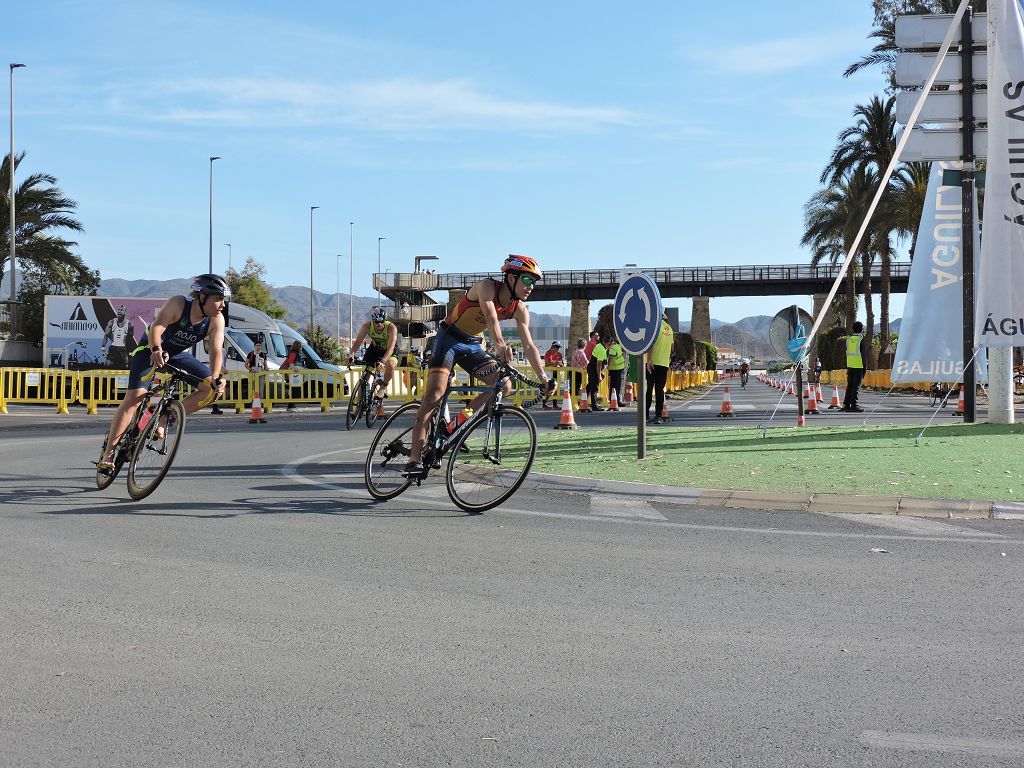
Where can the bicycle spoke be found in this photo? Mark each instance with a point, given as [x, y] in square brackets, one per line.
[492, 459]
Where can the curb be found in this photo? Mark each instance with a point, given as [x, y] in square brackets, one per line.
[905, 506]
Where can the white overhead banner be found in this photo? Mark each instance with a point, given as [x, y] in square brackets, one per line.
[931, 347]
[1000, 317]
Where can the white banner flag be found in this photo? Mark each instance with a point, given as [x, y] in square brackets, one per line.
[931, 346]
[999, 321]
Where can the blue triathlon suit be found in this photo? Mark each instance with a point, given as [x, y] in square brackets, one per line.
[452, 346]
[178, 337]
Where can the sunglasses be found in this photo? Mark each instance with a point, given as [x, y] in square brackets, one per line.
[529, 280]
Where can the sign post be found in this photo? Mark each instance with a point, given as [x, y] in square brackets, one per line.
[636, 316]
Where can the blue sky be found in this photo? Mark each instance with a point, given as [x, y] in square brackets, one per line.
[583, 134]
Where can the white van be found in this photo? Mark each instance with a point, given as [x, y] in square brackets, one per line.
[237, 347]
[259, 326]
[309, 358]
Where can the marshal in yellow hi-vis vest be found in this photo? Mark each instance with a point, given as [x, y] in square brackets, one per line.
[854, 359]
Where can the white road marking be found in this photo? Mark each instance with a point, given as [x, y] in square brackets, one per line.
[923, 526]
[609, 505]
[929, 742]
[435, 495]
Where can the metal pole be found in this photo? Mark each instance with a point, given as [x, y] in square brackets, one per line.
[311, 209]
[378, 268]
[337, 294]
[14, 291]
[229, 255]
[967, 209]
[210, 269]
[641, 407]
[351, 259]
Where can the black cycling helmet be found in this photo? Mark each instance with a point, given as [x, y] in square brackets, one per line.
[205, 286]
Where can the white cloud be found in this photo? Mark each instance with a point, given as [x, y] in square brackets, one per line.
[773, 56]
[396, 105]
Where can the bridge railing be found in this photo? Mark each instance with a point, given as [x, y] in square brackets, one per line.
[749, 273]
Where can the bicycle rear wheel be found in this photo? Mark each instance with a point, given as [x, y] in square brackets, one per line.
[388, 454]
[153, 454]
[355, 403]
[491, 459]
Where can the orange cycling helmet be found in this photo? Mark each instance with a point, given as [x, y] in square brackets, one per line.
[516, 263]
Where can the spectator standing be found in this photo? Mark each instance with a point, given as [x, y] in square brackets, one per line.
[292, 361]
[856, 354]
[616, 366]
[598, 359]
[658, 358]
[553, 359]
[256, 360]
[579, 365]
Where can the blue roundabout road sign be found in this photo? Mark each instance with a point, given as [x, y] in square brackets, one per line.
[637, 313]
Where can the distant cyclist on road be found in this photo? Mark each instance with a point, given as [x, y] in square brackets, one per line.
[182, 322]
[459, 341]
[383, 335]
[744, 373]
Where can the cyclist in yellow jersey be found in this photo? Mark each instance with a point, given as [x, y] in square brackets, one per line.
[383, 335]
[658, 359]
[459, 341]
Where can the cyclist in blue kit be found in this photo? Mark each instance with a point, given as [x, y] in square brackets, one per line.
[180, 323]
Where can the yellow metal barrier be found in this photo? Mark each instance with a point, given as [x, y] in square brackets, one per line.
[37, 386]
[299, 385]
[100, 387]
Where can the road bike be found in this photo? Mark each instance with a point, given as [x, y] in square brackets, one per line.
[489, 454]
[363, 402]
[151, 440]
[744, 378]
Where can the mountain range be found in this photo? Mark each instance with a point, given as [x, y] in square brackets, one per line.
[747, 337]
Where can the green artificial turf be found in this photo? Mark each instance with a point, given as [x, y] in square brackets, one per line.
[962, 461]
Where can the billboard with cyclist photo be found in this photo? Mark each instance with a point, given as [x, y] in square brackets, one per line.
[85, 332]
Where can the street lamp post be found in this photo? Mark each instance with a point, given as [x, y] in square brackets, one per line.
[11, 161]
[337, 293]
[378, 268]
[311, 209]
[229, 255]
[212, 158]
[351, 259]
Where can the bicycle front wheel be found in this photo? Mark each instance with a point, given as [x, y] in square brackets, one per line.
[355, 404]
[491, 459]
[389, 451]
[374, 411]
[154, 453]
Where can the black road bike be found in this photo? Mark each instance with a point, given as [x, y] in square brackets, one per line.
[362, 402]
[489, 455]
[151, 440]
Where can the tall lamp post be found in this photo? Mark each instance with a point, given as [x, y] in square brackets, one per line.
[212, 158]
[378, 267]
[11, 198]
[351, 259]
[311, 209]
[337, 293]
[229, 255]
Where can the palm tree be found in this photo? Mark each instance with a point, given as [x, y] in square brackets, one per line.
[41, 209]
[832, 218]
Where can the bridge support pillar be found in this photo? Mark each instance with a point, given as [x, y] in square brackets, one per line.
[700, 319]
[455, 295]
[579, 325]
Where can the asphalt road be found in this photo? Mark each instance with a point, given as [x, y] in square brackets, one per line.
[260, 610]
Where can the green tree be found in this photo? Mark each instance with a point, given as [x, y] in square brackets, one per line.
[41, 210]
[324, 344]
[249, 288]
[39, 282]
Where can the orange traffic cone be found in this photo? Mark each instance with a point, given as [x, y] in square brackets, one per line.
[835, 399]
[567, 421]
[812, 402]
[792, 389]
[665, 415]
[960, 403]
[613, 401]
[627, 396]
[584, 404]
[818, 396]
[726, 405]
[256, 416]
